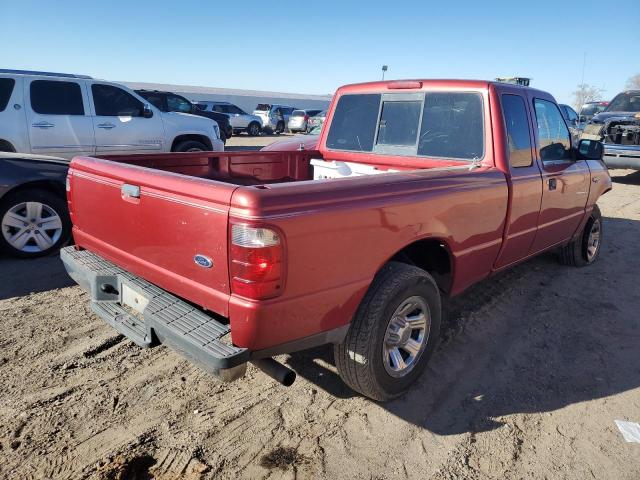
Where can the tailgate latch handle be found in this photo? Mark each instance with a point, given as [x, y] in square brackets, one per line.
[130, 191]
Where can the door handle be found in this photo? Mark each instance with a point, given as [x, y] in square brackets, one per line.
[43, 125]
[130, 191]
[553, 183]
[107, 126]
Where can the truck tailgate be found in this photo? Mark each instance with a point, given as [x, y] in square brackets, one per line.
[167, 228]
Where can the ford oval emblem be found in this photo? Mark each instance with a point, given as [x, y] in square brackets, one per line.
[203, 261]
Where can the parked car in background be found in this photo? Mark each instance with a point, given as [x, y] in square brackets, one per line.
[571, 118]
[34, 216]
[317, 120]
[274, 117]
[298, 121]
[429, 187]
[172, 102]
[305, 141]
[241, 121]
[618, 127]
[67, 115]
[590, 109]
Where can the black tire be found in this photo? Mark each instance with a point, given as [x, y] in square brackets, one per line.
[253, 129]
[359, 359]
[279, 128]
[54, 202]
[223, 137]
[577, 253]
[190, 146]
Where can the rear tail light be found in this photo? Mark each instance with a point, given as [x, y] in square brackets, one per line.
[256, 262]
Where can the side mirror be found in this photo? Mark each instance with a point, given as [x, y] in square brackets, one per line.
[146, 111]
[583, 119]
[590, 150]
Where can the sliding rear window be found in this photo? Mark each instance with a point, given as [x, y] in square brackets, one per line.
[432, 124]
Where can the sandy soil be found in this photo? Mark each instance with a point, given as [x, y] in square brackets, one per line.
[533, 368]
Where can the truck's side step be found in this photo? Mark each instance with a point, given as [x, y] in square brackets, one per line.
[147, 314]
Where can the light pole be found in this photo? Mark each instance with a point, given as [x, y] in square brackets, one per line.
[384, 69]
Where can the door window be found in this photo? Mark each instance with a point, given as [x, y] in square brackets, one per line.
[178, 104]
[50, 97]
[571, 113]
[554, 141]
[112, 101]
[517, 126]
[6, 88]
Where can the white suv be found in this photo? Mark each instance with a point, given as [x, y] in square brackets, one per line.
[68, 115]
[240, 120]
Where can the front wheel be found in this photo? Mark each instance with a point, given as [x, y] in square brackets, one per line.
[253, 129]
[34, 223]
[393, 333]
[190, 146]
[585, 249]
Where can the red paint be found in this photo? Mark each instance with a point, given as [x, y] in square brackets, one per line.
[335, 234]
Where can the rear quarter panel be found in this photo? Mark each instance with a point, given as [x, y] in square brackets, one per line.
[339, 233]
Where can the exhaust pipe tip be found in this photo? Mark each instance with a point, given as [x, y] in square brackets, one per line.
[276, 370]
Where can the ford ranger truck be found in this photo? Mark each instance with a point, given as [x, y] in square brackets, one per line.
[419, 189]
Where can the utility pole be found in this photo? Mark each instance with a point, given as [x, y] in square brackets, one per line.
[584, 62]
[384, 69]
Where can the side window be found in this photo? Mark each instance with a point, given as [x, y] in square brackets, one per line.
[554, 141]
[49, 97]
[155, 99]
[6, 89]
[399, 123]
[178, 104]
[517, 127]
[217, 108]
[112, 101]
[573, 116]
[354, 123]
[234, 109]
[452, 126]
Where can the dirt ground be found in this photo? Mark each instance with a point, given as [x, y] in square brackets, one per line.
[533, 368]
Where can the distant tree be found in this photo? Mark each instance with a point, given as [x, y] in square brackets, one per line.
[586, 93]
[634, 82]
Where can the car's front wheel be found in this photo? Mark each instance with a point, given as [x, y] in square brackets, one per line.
[34, 223]
[190, 146]
[393, 333]
[253, 129]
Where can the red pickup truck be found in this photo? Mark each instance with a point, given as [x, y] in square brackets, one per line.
[419, 189]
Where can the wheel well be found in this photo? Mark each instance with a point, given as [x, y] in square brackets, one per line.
[431, 255]
[47, 185]
[6, 146]
[196, 138]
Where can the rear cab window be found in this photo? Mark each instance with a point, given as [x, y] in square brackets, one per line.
[448, 125]
[516, 124]
[6, 89]
[51, 97]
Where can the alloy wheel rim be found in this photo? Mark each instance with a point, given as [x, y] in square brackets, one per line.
[406, 336]
[31, 227]
[593, 242]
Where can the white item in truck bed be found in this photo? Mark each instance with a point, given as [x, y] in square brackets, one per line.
[323, 169]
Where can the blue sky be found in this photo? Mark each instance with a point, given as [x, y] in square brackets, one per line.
[314, 47]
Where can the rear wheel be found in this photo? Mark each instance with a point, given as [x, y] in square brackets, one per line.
[585, 249]
[190, 146]
[34, 223]
[253, 129]
[393, 333]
